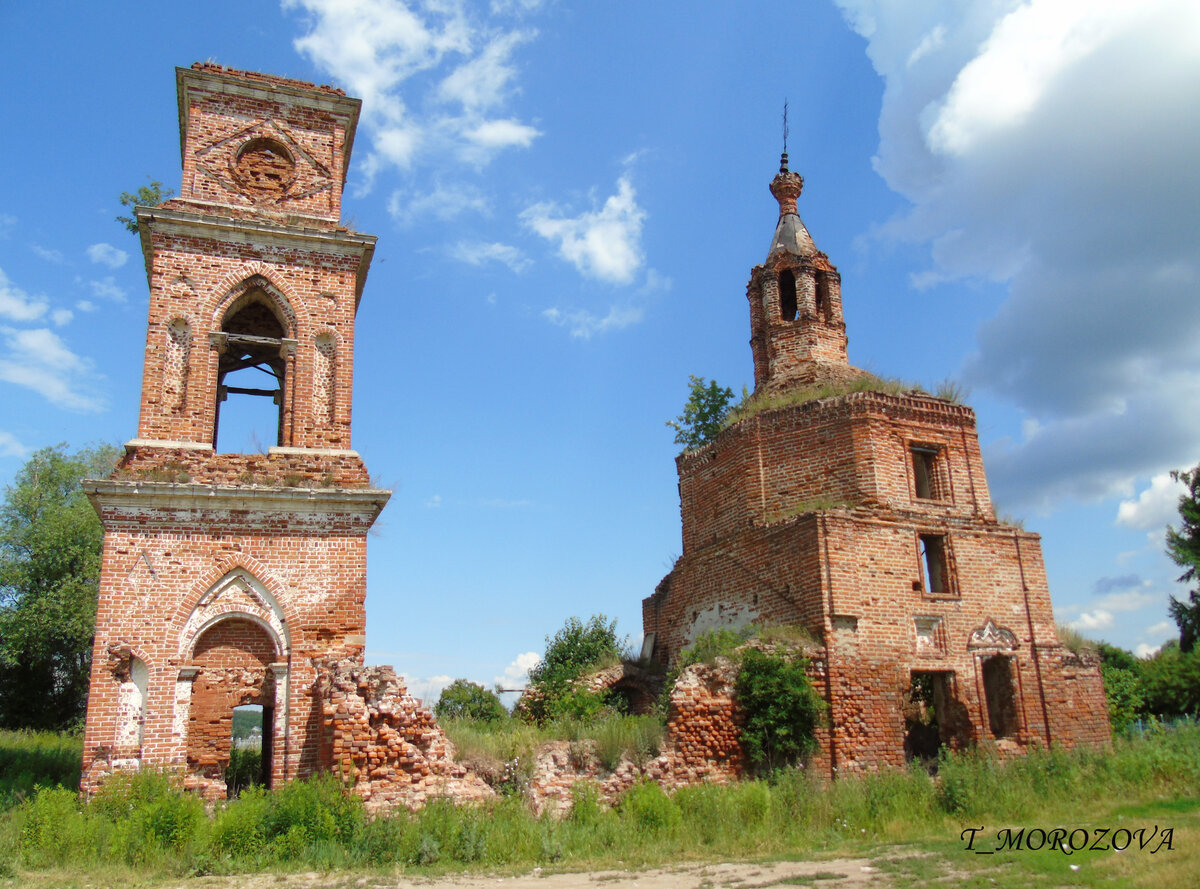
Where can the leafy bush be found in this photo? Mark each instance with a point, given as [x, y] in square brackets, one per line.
[577, 648]
[649, 808]
[782, 709]
[1123, 690]
[463, 699]
[703, 414]
[318, 807]
[573, 651]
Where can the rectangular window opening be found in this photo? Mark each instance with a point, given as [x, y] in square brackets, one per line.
[925, 472]
[935, 573]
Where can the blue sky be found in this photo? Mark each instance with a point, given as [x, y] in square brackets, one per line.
[569, 198]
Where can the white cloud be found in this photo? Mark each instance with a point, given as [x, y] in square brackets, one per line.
[10, 447]
[427, 690]
[1166, 628]
[39, 360]
[444, 202]
[434, 502]
[61, 317]
[483, 81]
[435, 51]
[602, 243]
[501, 134]
[1098, 619]
[1155, 508]
[516, 674]
[107, 288]
[107, 254]
[47, 254]
[16, 304]
[1147, 651]
[7, 223]
[500, 503]
[584, 324]
[86, 305]
[478, 254]
[516, 7]
[1048, 145]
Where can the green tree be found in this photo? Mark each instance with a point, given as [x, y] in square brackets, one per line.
[463, 699]
[570, 653]
[703, 414]
[1171, 682]
[151, 195]
[782, 709]
[1183, 546]
[1123, 692]
[49, 573]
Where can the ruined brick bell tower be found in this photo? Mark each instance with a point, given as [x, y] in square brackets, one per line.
[227, 577]
[862, 514]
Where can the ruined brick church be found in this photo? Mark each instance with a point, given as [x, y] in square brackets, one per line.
[864, 517]
[235, 580]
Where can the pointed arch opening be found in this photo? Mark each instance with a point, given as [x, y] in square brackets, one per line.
[252, 371]
[232, 657]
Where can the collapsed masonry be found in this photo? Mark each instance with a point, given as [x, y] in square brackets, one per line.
[865, 518]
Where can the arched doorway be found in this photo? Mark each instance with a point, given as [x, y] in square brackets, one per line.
[233, 658]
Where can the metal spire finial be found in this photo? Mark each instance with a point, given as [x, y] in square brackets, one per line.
[783, 158]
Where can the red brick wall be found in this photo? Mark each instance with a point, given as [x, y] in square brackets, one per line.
[762, 542]
[226, 108]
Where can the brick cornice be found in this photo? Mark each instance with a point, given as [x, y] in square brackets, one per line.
[128, 496]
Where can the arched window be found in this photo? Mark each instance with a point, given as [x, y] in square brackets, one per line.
[175, 364]
[251, 376]
[325, 378]
[823, 296]
[787, 295]
[131, 707]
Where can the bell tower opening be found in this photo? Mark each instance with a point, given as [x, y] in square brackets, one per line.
[787, 295]
[253, 370]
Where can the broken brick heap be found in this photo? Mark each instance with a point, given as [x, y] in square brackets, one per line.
[865, 518]
[227, 577]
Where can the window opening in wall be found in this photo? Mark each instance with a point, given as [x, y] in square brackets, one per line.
[925, 472]
[787, 295]
[923, 704]
[249, 749]
[131, 707]
[250, 379]
[935, 574]
[822, 296]
[1001, 699]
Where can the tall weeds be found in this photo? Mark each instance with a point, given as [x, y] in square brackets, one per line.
[145, 824]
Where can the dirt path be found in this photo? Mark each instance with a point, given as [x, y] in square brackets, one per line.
[840, 872]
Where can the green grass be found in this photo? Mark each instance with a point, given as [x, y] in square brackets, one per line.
[145, 830]
[763, 401]
[30, 759]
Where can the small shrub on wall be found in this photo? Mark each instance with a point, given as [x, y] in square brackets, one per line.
[782, 709]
